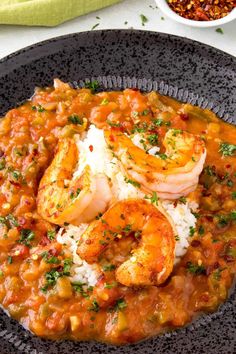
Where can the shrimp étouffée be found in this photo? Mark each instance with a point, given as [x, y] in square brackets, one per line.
[152, 262]
[64, 199]
[171, 177]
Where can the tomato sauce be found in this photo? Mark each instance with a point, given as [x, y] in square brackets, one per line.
[34, 268]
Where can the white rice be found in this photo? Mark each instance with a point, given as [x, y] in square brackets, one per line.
[101, 160]
[81, 271]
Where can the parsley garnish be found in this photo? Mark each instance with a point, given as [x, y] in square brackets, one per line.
[227, 149]
[75, 119]
[219, 30]
[134, 183]
[26, 236]
[120, 304]
[108, 267]
[191, 231]
[183, 200]
[144, 19]
[38, 108]
[153, 199]
[93, 85]
[195, 268]
[153, 139]
[94, 307]
[51, 234]
[201, 230]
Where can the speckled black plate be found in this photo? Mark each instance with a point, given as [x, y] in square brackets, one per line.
[191, 72]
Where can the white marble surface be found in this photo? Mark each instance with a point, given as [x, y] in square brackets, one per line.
[123, 15]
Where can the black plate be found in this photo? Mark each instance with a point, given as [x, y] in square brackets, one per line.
[191, 72]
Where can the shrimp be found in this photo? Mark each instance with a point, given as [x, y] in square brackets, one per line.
[152, 262]
[171, 177]
[64, 199]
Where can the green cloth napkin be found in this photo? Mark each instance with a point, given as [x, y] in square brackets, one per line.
[47, 12]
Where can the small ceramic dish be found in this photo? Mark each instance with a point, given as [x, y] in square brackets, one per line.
[163, 5]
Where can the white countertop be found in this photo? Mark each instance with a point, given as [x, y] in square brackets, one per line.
[123, 15]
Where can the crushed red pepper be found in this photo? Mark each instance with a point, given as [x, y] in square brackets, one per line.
[202, 10]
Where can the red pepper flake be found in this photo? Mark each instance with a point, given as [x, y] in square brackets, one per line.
[202, 10]
[91, 148]
[228, 166]
[184, 116]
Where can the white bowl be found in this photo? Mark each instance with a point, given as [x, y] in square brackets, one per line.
[163, 5]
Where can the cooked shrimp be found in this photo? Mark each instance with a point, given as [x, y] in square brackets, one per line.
[64, 199]
[152, 262]
[171, 177]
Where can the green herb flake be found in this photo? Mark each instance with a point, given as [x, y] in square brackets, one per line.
[26, 236]
[134, 183]
[51, 234]
[219, 30]
[120, 304]
[227, 149]
[93, 85]
[153, 139]
[234, 195]
[163, 156]
[75, 119]
[191, 231]
[195, 268]
[153, 199]
[144, 19]
[94, 307]
[201, 230]
[108, 267]
[95, 26]
[183, 200]
[111, 285]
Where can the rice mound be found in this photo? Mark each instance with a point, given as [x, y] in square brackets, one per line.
[101, 160]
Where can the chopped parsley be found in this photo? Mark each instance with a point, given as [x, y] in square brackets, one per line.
[191, 231]
[108, 267]
[50, 259]
[120, 304]
[74, 195]
[95, 26]
[144, 19]
[111, 285]
[159, 122]
[79, 288]
[94, 307]
[51, 279]
[38, 108]
[112, 124]
[195, 268]
[26, 236]
[163, 156]
[93, 85]
[9, 220]
[75, 119]
[201, 230]
[55, 273]
[51, 234]
[153, 139]
[219, 30]
[227, 149]
[134, 183]
[153, 199]
[183, 200]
